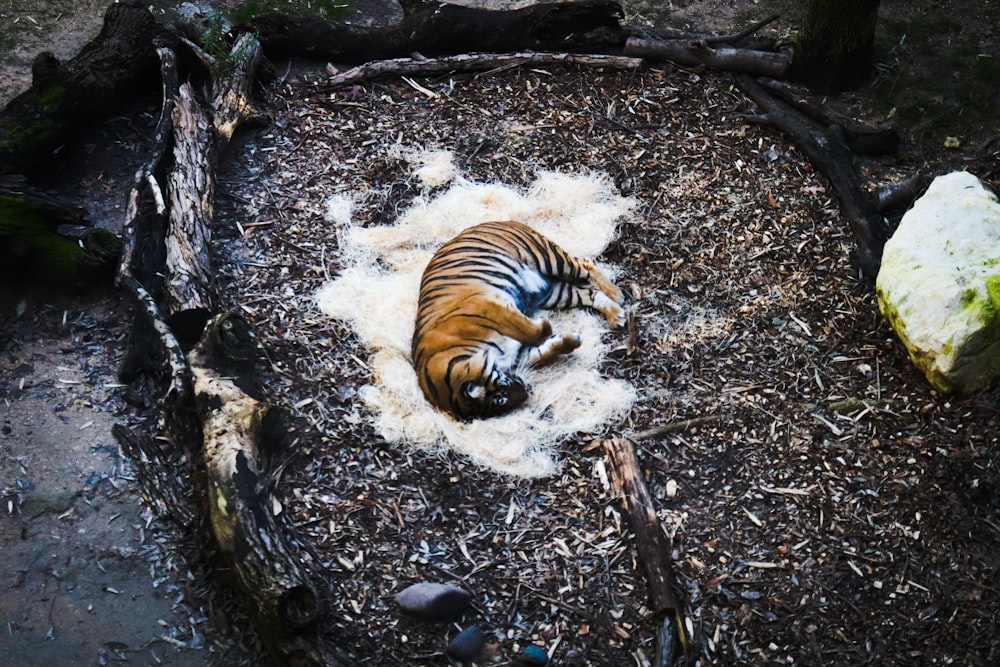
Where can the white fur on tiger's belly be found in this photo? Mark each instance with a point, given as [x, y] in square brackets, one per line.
[377, 295]
[531, 281]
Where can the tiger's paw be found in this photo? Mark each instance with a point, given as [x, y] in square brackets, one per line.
[553, 348]
[612, 311]
[571, 341]
[545, 326]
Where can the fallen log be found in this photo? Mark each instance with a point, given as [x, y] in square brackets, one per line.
[654, 549]
[198, 138]
[207, 397]
[716, 51]
[117, 64]
[435, 29]
[827, 150]
[862, 139]
[191, 191]
[702, 53]
[241, 437]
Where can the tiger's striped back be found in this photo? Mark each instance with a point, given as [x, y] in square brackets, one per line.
[476, 323]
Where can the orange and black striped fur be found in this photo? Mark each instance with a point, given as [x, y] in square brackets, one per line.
[476, 319]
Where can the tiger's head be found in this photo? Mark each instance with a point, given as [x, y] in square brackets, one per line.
[488, 396]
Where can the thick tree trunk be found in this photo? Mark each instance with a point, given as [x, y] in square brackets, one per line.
[434, 29]
[834, 49]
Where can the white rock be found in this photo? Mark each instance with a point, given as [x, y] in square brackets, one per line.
[939, 284]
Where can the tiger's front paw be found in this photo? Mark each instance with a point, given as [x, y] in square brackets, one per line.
[571, 341]
[546, 328]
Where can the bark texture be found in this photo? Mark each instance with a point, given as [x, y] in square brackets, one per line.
[834, 50]
[435, 29]
[113, 67]
[691, 54]
[653, 545]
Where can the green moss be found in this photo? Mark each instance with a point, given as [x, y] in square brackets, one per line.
[31, 248]
[993, 292]
[50, 96]
[948, 346]
[20, 137]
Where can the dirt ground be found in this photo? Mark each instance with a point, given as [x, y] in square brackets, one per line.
[835, 510]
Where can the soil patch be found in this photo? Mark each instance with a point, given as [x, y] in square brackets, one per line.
[89, 572]
[832, 511]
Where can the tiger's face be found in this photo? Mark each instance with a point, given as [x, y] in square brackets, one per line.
[491, 396]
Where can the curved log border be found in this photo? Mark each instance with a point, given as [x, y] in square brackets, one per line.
[209, 395]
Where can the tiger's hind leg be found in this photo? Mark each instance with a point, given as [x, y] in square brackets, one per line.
[608, 301]
[578, 283]
[601, 281]
[551, 349]
[511, 322]
[592, 294]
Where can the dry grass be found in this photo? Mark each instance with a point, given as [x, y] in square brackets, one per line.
[833, 510]
[382, 268]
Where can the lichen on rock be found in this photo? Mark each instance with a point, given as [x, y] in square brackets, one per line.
[939, 284]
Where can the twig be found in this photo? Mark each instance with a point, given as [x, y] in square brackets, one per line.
[737, 37]
[675, 427]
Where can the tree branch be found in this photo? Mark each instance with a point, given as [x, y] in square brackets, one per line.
[473, 62]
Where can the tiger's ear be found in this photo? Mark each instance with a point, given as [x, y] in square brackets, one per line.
[473, 390]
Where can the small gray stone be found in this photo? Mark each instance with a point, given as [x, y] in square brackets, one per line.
[429, 601]
[467, 644]
[533, 656]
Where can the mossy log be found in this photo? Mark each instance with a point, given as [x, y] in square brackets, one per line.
[46, 239]
[112, 68]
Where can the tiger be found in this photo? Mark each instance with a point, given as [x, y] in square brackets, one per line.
[477, 327]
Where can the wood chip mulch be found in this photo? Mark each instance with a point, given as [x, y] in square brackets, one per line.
[827, 508]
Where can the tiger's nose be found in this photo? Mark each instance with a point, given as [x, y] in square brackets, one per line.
[517, 393]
